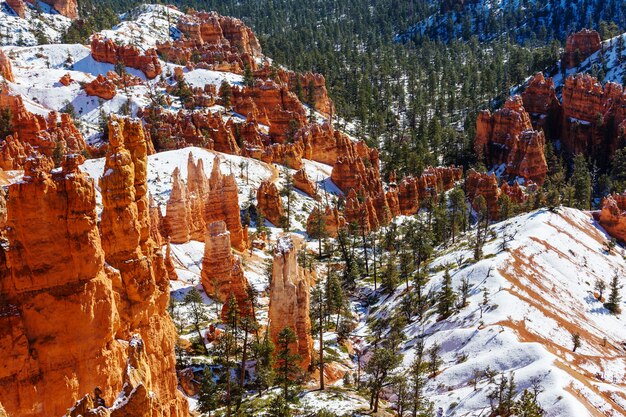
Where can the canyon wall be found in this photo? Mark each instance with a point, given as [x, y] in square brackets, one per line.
[69, 318]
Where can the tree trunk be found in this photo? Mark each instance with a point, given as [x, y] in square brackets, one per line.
[321, 314]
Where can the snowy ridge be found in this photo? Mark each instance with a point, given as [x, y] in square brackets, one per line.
[540, 293]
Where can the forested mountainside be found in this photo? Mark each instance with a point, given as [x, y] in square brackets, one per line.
[193, 223]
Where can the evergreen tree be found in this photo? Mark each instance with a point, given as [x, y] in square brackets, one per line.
[447, 297]
[197, 313]
[287, 369]
[581, 183]
[208, 397]
[527, 406]
[248, 76]
[614, 299]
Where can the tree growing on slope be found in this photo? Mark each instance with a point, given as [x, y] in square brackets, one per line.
[615, 298]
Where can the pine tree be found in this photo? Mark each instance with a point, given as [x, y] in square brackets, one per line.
[527, 406]
[248, 76]
[447, 297]
[614, 298]
[197, 313]
[263, 351]
[208, 398]
[581, 183]
[287, 369]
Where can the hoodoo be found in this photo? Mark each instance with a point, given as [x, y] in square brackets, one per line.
[289, 300]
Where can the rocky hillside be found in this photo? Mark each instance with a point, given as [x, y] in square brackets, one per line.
[173, 204]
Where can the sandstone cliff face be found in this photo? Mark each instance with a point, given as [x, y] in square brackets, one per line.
[325, 144]
[269, 202]
[497, 133]
[36, 132]
[589, 111]
[542, 105]
[289, 300]
[65, 315]
[105, 50]
[6, 70]
[101, 87]
[506, 137]
[312, 87]
[353, 173]
[223, 204]
[201, 201]
[68, 8]
[482, 184]
[222, 274]
[579, 46]
[612, 217]
[177, 215]
[135, 398]
[527, 160]
[360, 212]
[303, 183]
[202, 128]
[276, 106]
[141, 274]
[216, 42]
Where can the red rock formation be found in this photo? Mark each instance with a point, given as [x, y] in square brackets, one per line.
[169, 263]
[360, 212]
[515, 192]
[13, 153]
[177, 217]
[579, 46]
[200, 202]
[66, 80]
[352, 173]
[188, 382]
[612, 217]
[6, 70]
[282, 110]
[19, 7]
[408, 196]
[527, 160]
[289, 300]
[497, 133]
[506, 137]
[68, 8]
[128, 247]
[481, 184]
[325, 144]
[328, 222]
[201, 128]
[589, 111]
[223, 204]
[222, 275]
[43, 134]
[101, 87]
[136, 398]
[269, 203]
[105, 50]
[211, 41]
[302, 182]
[309, 86]
[65, 315]
[542, 105]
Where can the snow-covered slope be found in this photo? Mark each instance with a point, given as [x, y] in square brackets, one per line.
[607, 64]
[540, 293]
[41, 24]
